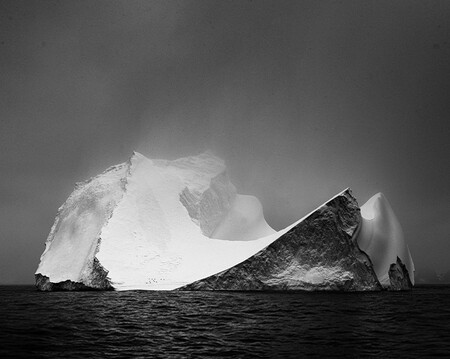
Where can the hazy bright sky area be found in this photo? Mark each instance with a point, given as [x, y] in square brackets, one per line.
[301, 98]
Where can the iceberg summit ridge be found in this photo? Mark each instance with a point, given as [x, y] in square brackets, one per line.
[165, 225]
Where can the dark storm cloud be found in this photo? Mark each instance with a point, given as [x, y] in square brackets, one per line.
[301, 98]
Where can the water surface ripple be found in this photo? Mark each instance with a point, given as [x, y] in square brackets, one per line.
[224, 324]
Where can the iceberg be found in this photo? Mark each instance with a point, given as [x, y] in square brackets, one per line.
[164, 225]
[381, 237]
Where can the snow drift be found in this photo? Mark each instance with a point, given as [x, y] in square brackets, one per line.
[163, 225]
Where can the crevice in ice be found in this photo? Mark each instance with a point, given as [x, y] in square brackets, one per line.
[364, 254]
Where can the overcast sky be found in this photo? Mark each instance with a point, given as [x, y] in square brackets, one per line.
[301, 98]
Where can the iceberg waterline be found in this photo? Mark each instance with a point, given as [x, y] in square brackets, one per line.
[164, 225]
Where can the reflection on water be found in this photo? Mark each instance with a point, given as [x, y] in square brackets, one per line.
[250, 324]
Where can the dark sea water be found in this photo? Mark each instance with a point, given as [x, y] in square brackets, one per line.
[224, 324]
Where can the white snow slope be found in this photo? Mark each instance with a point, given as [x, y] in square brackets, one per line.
[381, 237]
[159, 225]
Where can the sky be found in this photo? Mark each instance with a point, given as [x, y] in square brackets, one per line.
[301, 98]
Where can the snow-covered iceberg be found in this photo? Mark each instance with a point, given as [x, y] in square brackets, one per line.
[163, 225]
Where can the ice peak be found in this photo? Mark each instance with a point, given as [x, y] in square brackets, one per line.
[378, 196]
[136, 156]
[369, 209]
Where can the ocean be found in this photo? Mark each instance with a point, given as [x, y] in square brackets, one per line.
[144, 324]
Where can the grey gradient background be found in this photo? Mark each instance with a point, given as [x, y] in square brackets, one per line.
[302, 99]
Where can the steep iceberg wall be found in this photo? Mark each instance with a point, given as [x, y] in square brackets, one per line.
[69, 260]
[381, 237]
